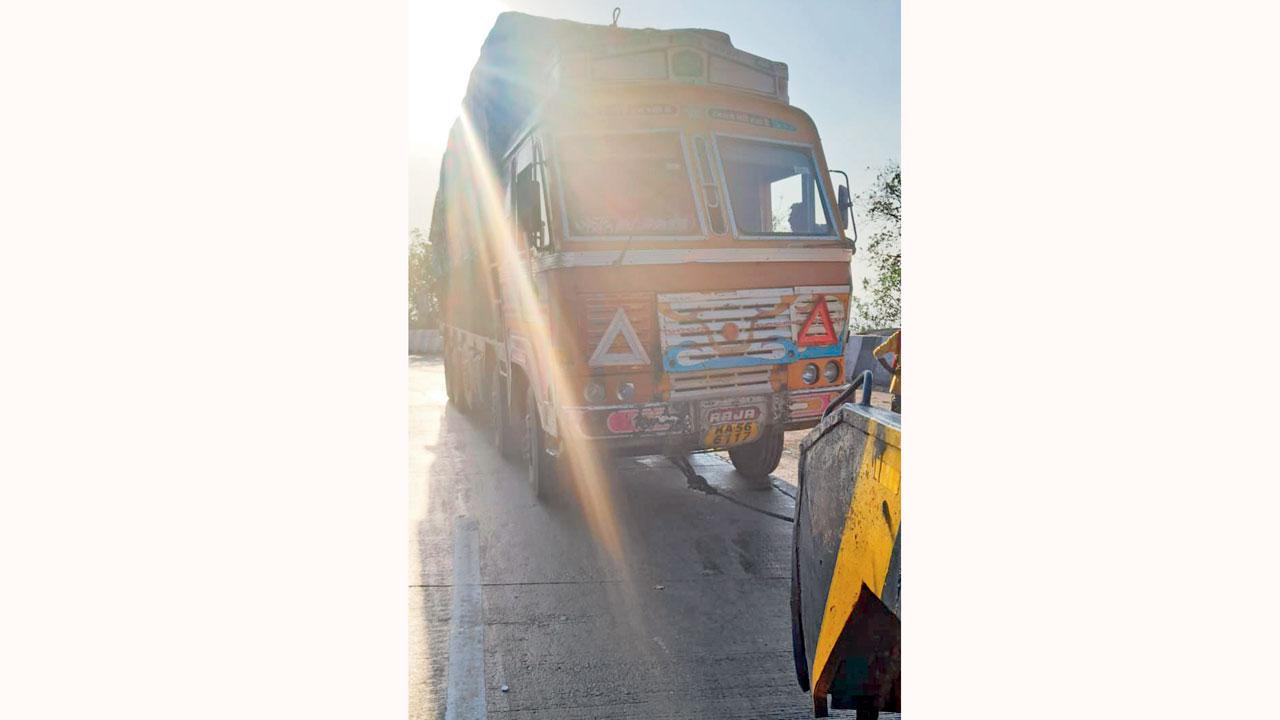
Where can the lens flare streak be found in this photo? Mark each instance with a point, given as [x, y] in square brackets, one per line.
[485, 224]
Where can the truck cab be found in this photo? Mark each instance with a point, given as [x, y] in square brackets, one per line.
[666, 268]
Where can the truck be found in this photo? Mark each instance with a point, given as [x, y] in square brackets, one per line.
[641, 248]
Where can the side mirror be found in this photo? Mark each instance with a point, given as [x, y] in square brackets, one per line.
[846, 205]
[529, 208]
[844, 202]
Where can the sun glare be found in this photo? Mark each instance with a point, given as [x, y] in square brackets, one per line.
[484, 219]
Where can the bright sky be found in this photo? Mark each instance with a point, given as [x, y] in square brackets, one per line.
[842, 57]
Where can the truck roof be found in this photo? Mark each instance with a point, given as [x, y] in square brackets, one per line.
[527, 58]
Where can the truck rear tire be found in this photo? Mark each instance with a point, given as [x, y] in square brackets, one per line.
[500, 418]
[542, 467]
[756, 460]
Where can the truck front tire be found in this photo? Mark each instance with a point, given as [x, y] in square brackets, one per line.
[542, 467]
[756, 460]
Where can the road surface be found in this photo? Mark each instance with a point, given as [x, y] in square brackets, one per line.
[690, 620]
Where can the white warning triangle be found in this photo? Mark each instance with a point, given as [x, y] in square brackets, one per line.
[635, 354]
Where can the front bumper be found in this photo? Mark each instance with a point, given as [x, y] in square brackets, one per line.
[683, 426]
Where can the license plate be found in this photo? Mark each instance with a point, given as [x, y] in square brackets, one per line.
[729, 434]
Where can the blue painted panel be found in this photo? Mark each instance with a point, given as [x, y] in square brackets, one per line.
[821, 351]
[670, 359]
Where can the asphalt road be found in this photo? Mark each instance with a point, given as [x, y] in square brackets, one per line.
[690, 620]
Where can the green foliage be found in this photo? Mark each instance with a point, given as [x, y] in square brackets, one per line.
[880, 304]
[424, 283]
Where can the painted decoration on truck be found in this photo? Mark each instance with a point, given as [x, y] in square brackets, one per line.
[809, 405]
[621, 110]
[743, 328]
[650, 419]
[619, 344]
[750, 119]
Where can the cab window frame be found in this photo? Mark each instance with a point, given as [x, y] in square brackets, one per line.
[694, 190]
[833, 236]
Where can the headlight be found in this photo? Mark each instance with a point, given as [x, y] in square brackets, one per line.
[810, 374]
[626, 391]
[594, 392]
[831, 372]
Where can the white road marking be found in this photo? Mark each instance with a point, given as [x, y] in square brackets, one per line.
[465, 699]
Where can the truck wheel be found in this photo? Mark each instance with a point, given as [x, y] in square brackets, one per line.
[542, 467]
[756, 460]
[499, 417]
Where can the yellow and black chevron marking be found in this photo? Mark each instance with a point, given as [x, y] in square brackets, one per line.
[847, 543]
[870, 531]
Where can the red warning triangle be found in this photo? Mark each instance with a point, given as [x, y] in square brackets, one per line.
[828, 334]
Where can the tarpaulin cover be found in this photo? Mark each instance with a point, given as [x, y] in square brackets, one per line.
[513, 73]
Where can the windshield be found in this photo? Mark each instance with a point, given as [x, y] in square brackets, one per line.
[773, 189]
[622, 185]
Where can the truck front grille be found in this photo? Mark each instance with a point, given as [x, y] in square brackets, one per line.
[722, 330]
[745, 328]
[718, 383]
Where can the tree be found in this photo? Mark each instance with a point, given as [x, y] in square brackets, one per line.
[880, 305]
[424, 282]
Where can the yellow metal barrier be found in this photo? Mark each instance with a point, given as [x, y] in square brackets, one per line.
[846, 572]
